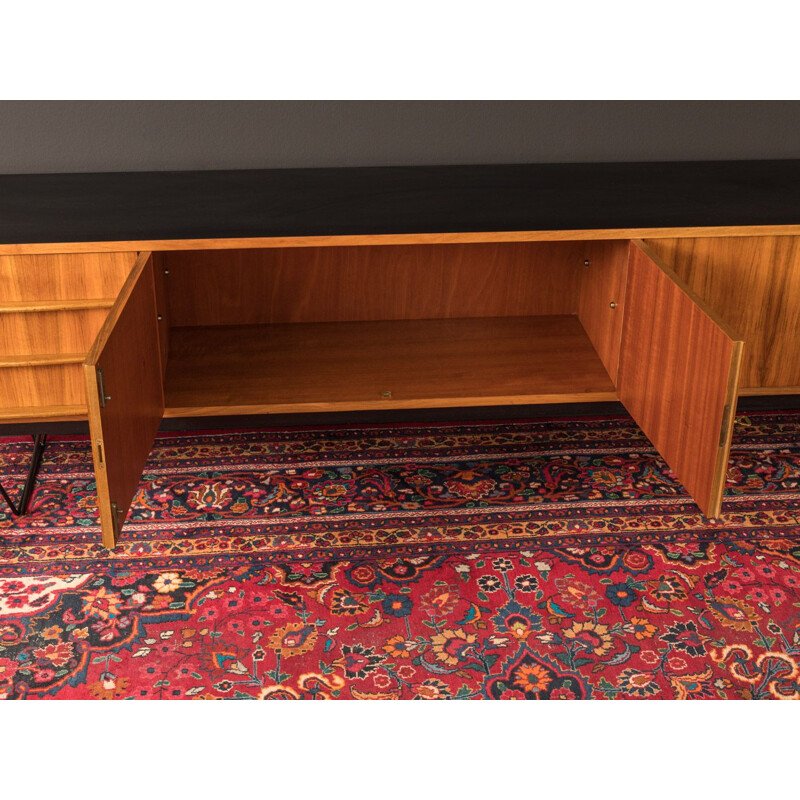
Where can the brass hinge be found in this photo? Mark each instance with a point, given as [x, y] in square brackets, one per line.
[101, 389]
[726, 425]
[116, 522]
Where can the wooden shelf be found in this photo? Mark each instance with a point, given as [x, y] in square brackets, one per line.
[284, 368]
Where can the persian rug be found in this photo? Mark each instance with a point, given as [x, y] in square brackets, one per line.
[537, 559]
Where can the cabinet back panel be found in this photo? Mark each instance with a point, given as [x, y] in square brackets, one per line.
[368, 283]
[753, 283]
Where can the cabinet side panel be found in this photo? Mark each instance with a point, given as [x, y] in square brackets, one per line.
[754, 284]
[678, 377]
[601, 307]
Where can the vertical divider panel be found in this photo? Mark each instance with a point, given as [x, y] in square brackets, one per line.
[601, 305]
[162, 309]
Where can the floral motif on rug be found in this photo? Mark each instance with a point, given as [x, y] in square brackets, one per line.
[400, 563]
[547, 624]
[343, 492]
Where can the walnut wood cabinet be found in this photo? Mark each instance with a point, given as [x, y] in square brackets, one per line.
[325, 302]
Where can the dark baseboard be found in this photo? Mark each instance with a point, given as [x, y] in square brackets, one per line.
[394, 416]
[776, 402]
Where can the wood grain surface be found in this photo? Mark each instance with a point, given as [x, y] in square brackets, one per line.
[678, 376]
[63, 276]
[601, 306]
[27, 414]
[351, 366]
[754, 284]
[43, 359]
[35, 306]
[51, 310]
[122, 432]
[333, 284]
[50, 331]
[42, 385]
[477, 236]
[162, 309]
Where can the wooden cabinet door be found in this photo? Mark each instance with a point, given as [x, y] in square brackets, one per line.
[125, 395]
[678, 376]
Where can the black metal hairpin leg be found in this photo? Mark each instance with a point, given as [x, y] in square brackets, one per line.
[39, 441]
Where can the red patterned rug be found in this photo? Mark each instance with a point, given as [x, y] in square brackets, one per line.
[544, 559]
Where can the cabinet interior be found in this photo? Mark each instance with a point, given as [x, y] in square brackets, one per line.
[350, 328]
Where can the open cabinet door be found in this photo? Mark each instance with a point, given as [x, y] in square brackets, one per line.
[124, 390]
[678, 376]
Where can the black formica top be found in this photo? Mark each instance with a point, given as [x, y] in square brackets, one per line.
[130, 206]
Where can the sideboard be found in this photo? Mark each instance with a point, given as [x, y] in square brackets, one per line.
[671, 287]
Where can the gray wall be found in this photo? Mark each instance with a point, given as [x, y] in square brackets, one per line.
[78, 136]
